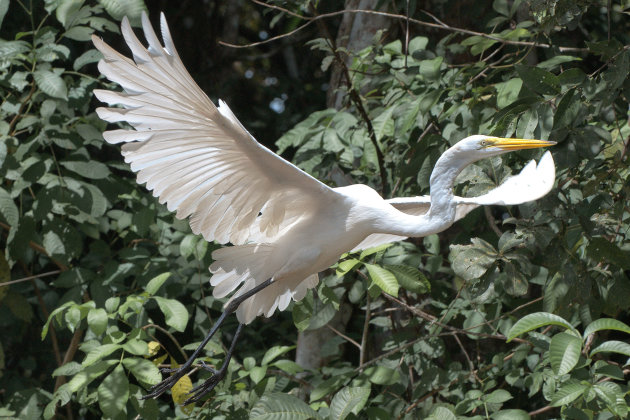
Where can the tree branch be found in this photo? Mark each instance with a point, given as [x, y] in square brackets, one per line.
[440, 25]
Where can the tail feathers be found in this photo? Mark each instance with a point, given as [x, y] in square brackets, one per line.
[247, 266]
[237, 264]
[278, 295]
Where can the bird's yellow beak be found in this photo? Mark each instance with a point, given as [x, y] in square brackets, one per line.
[518, 144]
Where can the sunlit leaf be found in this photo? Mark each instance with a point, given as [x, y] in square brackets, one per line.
[567, 393]
[605, 324]
[175, 313]
[348, 400]
[51, 83]
[612, 346]
[564, 352]
[277, 406]
[383, 279]
[113, 392]
[536, 320]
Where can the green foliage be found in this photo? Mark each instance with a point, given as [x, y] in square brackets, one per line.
[513, 312]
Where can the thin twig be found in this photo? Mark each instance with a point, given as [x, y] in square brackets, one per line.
[366, 327]
[20, 110]
[433, 320]
[36, 276]
[72, 349]
[541, 410]
[492, 221]
[345, 337]
[441, 26]
[471, 365]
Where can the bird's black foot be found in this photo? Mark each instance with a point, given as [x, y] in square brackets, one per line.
[199, 391]
[217, 375]
[158, 389]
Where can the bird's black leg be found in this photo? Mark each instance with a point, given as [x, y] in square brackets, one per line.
[217, 375]
[207, 386]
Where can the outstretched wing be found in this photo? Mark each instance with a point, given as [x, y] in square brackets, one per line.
[533, 182]
[197, 158]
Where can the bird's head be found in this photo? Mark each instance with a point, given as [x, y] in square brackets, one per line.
[478, 146]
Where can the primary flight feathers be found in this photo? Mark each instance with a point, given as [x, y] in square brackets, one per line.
[197, 158]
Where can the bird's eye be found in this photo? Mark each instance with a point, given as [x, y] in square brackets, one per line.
[483, 143]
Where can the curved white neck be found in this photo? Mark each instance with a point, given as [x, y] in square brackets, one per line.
[441, 214]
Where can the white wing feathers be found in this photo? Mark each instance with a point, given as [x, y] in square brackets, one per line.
[532, 183]
[195, 157]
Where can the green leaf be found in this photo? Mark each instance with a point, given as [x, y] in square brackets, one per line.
[382, 375]
[53, 244]
[556, 60]
[113, 392]
[87, 375]
[79, 33]
[498, 396]
[278, 406]
[383, 279]
[69, 369]
[536, 320]
[121, 8]
[472, 261]
[136, 347]
[373, 250]
[99, 353]
[52, 315]
[430, 69]
[51, 84]
[4, 7]
[612, 346]
[348, 400]
[567, 393]
[441, 413]
[410, 278]
[507, 92]
[605, 324]
[418, 43]
[156, 282]
[257, 373]
[345, 266]
[88, 57]
[175, 313]
[144, 371]
[90, 170]
[274, 352]
[564, 352]
[188, 245]
[383, 124]
[601, 249]
[568, 109]
[97, 320]
[8, 209]
[538, 80]
[511, 414]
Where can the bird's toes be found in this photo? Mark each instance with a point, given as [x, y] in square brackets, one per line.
[207, 367]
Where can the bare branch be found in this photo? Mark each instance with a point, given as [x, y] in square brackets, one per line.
[439, 25]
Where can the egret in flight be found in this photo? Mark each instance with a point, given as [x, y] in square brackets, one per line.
[284, 225]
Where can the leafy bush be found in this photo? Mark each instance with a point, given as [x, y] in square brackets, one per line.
[513, 313]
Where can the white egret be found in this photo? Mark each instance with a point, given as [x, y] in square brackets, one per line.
[285, 226]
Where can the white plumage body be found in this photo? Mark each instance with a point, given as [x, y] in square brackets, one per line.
[284, 224]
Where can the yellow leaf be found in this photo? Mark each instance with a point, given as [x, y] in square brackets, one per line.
[154, 347]
[180, 392]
